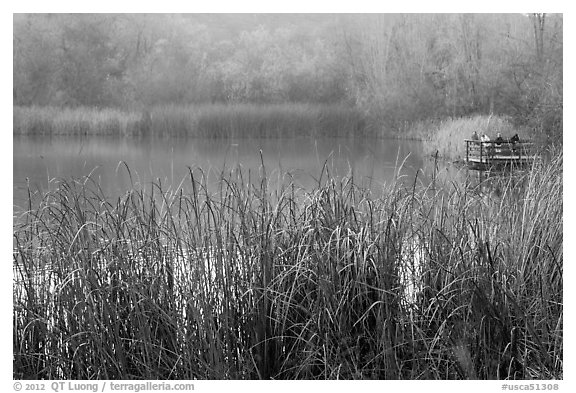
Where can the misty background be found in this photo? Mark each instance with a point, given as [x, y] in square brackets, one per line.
[395, 68]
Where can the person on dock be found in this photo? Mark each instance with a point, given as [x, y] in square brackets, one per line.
[487, 146]
[515, 139]
[499, 140]
[475, 136]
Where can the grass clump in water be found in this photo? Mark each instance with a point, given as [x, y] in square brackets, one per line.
[447, 136]
[253, 281]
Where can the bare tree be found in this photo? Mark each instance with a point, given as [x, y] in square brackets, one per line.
[538, 21]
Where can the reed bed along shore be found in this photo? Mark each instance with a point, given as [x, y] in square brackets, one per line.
[252, 281]
[446, 137]
[207, 121]
[75, 121]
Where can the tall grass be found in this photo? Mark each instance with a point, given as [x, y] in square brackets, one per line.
[253, 281]
[78, 121]
[447, 136]
[212, 121]
[244, 120]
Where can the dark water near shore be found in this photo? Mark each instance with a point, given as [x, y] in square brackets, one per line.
[40, 160]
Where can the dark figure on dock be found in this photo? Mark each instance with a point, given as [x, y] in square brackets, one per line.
[515, 138]
[475, 136]
[499, 140]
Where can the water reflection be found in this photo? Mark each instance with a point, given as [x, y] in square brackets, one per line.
[38, 160]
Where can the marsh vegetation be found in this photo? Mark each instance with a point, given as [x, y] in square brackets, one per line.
[253, 281]
[204, 121]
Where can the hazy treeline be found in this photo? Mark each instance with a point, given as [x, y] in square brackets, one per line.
[397, 68]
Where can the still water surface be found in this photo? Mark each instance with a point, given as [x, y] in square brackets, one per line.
[40, 160]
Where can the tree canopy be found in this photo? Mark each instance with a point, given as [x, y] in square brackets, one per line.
[397, 67]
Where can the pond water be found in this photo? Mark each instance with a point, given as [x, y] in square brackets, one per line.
[38, 160]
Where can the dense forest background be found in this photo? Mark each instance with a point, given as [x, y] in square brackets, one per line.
[395, 68]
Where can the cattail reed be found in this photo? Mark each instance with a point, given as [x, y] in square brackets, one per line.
[250, 280]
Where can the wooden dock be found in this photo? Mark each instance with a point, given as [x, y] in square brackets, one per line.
[496, 155]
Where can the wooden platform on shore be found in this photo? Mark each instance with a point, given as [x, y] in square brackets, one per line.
[492, 154]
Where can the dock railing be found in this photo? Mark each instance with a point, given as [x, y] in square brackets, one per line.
[493, 151]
